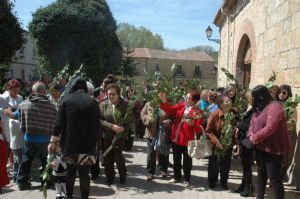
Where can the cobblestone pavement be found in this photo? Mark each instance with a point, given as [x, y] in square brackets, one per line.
[137, 186]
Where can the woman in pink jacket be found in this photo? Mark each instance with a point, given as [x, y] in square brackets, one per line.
[268, 131]
[183, 130]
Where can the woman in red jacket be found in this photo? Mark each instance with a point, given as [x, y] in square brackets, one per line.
[183, 130]
[268, 131]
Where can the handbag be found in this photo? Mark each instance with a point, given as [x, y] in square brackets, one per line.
[247, 143]
[200, 148]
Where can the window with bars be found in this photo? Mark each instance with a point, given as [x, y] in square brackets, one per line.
[197, 72]
[179, 70]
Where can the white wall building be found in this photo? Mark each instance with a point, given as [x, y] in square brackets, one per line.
[24, 61]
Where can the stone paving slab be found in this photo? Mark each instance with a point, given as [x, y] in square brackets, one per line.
[137, 187]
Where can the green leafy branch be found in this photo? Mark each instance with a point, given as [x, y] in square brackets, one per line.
[271, 80]
[289, 106]
[46, 176]
[227, 133]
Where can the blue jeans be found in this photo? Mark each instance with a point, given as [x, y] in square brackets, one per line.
[17, 160]
[30, 149]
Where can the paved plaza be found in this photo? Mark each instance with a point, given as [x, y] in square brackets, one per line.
[137, 186]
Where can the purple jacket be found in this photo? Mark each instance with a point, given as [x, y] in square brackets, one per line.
[269, 130]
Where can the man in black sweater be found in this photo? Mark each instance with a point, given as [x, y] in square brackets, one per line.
[78, 126]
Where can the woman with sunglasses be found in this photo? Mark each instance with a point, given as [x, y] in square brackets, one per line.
[284, 92]
[268, 131]
[109, 129]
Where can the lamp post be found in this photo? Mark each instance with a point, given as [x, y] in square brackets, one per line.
[209, 33]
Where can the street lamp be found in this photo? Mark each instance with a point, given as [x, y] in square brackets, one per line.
[209, 33]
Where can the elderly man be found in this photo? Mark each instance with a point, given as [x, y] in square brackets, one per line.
[37, 115]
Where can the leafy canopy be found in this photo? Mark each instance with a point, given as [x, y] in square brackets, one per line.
[11, 38]
[139, 37]
[75, 32]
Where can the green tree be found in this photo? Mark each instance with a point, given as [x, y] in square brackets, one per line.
[139, 37]
[11, 38]
[128, 66]
[75, 32]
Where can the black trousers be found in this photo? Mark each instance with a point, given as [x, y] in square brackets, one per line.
[115, 155]
[178, 152]
[218, 165]
[151, 160]
[269, 166]
[246, 160]
[84, 180]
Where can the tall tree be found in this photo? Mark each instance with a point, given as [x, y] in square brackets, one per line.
[139, 37]
[75, 32]
[128, 66]
[11, 38]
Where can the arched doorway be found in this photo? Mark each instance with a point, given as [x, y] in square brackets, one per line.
[244, 60]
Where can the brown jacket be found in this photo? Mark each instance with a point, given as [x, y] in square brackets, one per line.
[147, 116]
[214, 125]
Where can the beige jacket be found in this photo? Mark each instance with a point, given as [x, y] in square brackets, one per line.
[149, 119]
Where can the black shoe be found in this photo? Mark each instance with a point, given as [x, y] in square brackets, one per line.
[24, 186]
[211, 186]
[241, 187]
[94, 177]
[224, 185]
[122, 181]
[248, 191]
[109, 183]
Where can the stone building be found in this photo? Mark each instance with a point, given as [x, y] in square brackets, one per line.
[258, 37]
[190, 65]
[24, 61]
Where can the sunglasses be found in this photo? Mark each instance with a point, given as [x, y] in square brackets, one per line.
[282, 92]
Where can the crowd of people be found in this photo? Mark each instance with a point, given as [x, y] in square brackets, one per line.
[81, 126]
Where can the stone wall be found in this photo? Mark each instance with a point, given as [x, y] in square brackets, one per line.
[208, 75]
[273, 28]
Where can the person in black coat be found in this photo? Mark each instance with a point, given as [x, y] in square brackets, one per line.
[78, 127]
[246, 151]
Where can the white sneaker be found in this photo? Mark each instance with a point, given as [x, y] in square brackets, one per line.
[186, 184]
[173, 181]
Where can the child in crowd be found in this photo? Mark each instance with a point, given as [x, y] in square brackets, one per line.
[59, 172]
[4, 180]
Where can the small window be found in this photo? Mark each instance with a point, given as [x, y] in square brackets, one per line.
[179, 70]
[197, 71]
[157, 67]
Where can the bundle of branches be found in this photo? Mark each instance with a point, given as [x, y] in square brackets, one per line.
[271, 80]
[227, 133]
[238, 107]
[196, 114]
[45, 175]
[289, 106]
[121, 120]
[156, 82]
[71, 78]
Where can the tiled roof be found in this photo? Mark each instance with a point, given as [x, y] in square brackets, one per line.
[140, 52]
[159, 54]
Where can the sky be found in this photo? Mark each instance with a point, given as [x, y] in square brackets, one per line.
[181, 23]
